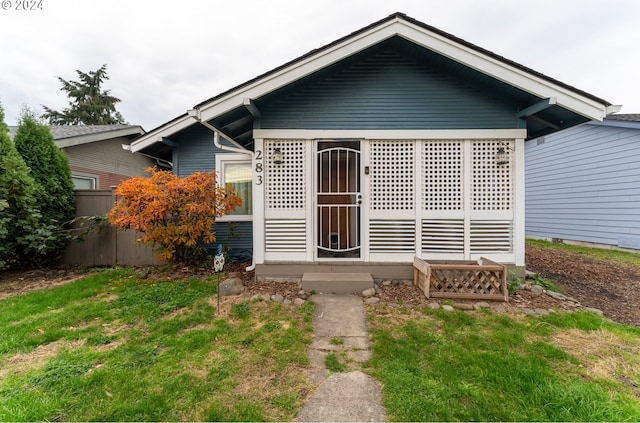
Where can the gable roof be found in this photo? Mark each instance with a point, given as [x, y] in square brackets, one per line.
[626, 117]
[556, 94]
[70, 135]
[628, 120]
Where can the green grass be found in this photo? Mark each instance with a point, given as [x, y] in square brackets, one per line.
[109, 347]
[112, 347]
[601, 254]
[441, 366]
[333, 363]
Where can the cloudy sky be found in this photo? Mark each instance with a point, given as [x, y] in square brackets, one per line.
[163, 57]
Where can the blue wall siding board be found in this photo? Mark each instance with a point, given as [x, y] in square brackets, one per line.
[583, 184]
[197, 153]
[387, 90]
[236, 238]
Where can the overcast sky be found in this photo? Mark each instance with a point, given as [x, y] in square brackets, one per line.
[164, 57]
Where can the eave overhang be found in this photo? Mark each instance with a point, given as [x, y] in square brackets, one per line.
[235, 108]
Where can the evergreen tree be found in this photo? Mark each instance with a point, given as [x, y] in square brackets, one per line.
[54, 185]
[89, 105]
[18, 214]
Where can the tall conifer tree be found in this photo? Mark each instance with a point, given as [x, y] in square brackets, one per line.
[50, 170]
[88, 104]
[18, 213]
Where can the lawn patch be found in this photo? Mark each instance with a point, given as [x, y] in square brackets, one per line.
[110, 347]
[439, 366]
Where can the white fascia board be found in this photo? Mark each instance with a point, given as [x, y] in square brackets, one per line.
[166, 131]
[505, 72]
[100, 136]
[391, 134]
[432, 41]
[299, 70]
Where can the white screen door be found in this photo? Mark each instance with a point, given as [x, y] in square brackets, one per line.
[338, 198]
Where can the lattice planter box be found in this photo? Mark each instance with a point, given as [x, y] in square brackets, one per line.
[472, 280]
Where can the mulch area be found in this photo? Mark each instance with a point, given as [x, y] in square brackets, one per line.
[611, 287]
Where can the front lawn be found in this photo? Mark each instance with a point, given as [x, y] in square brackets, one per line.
[110, 347]
[436, 365]
[113, 347]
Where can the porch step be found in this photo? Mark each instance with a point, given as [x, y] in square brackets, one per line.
[336, 283]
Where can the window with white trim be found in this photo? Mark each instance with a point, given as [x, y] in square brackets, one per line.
[84, 182]
[234, 170]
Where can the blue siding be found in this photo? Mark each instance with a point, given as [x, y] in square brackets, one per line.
[236, 238]
[583, 184]
[196, 152]
[388, 90]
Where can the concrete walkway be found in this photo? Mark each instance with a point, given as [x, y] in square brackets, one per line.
[340, 325]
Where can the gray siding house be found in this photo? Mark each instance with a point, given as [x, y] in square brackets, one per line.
[394, 142]
[96, 157]
[583, 183]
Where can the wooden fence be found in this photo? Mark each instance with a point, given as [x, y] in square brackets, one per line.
[107, 246]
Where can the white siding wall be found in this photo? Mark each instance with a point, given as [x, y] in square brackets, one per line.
[583, 184]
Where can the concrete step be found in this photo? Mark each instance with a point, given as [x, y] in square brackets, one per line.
[336, 283]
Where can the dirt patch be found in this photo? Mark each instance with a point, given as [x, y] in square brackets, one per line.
[611, 287]
[20, 281]
[36, 358]
[602, 354]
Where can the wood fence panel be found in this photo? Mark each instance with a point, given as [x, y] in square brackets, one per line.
[108, 246]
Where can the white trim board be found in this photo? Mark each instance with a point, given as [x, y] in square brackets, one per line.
[451, 49]
[426, 134]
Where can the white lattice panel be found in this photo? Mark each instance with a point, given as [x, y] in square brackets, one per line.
[443, 236]
[286, 235]
[442, 170]
[392, 178]
[491, 236]
[392, 236]
[491, 184]
[285, 183]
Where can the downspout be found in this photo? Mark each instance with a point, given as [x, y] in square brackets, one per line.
[195, 113]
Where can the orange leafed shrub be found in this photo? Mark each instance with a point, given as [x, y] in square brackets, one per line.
[174, 214]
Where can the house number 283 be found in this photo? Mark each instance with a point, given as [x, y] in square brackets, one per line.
[258, 167]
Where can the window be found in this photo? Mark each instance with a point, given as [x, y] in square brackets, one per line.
[235, 170]
[83, 182]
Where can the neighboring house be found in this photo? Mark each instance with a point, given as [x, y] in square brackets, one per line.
[96, 156]
[583, 183]
[398, 140]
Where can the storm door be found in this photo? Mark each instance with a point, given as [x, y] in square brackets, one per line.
[338, 200]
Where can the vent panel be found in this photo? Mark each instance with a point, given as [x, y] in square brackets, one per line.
[392, 236]
[285, 235]
[443, 236]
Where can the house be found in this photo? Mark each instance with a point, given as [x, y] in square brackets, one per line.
[395, 141]
[96, 157]
[583, 184]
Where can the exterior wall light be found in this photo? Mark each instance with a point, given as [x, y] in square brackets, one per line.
[502, 156]
[276, 157]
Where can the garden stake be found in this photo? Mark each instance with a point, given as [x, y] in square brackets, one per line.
[218, 265]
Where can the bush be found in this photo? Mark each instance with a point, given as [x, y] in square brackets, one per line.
[54, 189]
[18, 213]
[176, 215]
